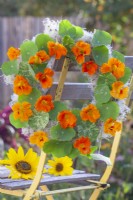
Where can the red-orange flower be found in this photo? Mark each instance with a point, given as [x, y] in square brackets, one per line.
[80, 50]
[39, 138]
[22, 111]
[45, 78]
[89, 67]
[119, 91]
[13, 53]
[90, 113]
[115, 66]
[67, 119]
[21, 86]
[44, 103]
[112, 126]
[40, 57]
[83, 144]
[56, 49]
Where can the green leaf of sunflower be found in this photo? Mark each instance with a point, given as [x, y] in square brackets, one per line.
[100, 54]
[57, 148]
[101, 38]
[58, 133]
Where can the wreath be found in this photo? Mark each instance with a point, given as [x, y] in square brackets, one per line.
[51, 124]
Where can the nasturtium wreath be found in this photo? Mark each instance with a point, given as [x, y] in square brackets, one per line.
[52, 125]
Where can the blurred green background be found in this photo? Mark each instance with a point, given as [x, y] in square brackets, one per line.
[116, 17]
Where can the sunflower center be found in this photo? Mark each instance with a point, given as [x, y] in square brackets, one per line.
[59, 167]
[23, 167]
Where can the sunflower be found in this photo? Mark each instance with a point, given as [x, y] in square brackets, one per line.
[60, 166]
[20, 165]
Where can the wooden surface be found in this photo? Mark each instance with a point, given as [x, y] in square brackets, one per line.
[7, 183]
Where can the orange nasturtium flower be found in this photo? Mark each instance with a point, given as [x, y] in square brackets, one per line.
[44, 103]
[67, 119]
[39, 138]
[118, 91]
[45, 78]
[80, 50]
[40, 57]
[56, 49]
[22, 111]
[115, 66]
[13, 53]
[89, 67]
[90, 113]
[21, 86]
[111, 126]
[83, 144]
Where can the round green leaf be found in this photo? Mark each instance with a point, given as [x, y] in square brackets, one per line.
[79, 32]
[42, 40]
[28, 49]
[17, 123]
[107, 79]
[118, 55]
[101, 38]
[10, 67]
[58, 107]
[109, 110]
[31, 98]
[100, 54]
[127, 75]
[57, 148]
[74, 153]
[39, 120]
[64, 28]
[58, 133]
[102, 93]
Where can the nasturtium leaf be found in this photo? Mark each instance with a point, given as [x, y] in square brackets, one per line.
[118, 55]
[93, 149]
[108, 110]
[64, 28]
[107, 79]
[57, 148]
[16, 122]
[10, 67]
[87, 129]
[28, 49]
[26, 70]
[100, 54]
[68, 42]
[39, 67]
[58, 107]
[76, 112]
[58, 133]
[79, 32]
[102, 93]
[42, 40]
[74, 153]
[127, 75]
[39, 120]
[101, 38]
[31, 98]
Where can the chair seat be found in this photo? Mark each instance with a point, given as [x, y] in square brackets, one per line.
[78, 177]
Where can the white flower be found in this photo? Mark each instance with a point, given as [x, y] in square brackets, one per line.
[8, 79]
[87, 37]
[124, 110]
[51, 28]
[14, 99]
[27, 131]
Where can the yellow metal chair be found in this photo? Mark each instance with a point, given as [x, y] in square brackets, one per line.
[37, 187]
